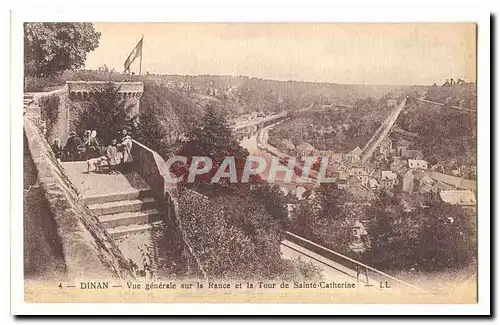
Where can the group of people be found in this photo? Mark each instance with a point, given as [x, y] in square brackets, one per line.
[115, 155]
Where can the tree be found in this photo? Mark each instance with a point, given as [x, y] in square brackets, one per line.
[158, 125]
[107, 112]
[235, 237]
[50, 48]
[433, 237]
[326, 219]
[214, 139]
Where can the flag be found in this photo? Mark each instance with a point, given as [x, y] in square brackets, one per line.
[137, 51]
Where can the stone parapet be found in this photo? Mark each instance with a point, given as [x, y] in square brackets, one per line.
[82, 90]
[88, 251]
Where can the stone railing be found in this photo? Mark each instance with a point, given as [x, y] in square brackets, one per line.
[88, 250]
[361, 272]
[151, 167]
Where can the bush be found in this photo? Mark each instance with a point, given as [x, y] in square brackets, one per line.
[107, 112]
[235, 237]
[49, 106]
[432, 238]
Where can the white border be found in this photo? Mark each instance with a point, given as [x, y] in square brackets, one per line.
[354, 11]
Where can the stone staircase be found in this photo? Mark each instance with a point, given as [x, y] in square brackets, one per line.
[28, 99]
[127, 212]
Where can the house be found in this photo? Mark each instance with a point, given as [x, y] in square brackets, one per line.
[412, 154]
[385, 147]
[358, 175]
[392, 102]
[422, 177]
[456, 182]
[351, 159]
[440, 186]
[343, 175]
[401, 146]
[342, 184]
[305, 149]
[388, 178]
[353, 156]
[408, 180]
[356, 151]
[373, 183]
[417, 164]
[398, 166]
[460, 197]
[359, 179]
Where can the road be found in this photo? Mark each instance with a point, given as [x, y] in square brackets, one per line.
[381, 132]
[452, 106]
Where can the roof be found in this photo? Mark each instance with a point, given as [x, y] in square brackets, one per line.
[403, 142]
[441, 186]
[416, 161]
[458, 197]
[356, 151]
[387, 174]
[457, 182]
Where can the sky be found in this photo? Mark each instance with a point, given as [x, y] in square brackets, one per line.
[353, 53]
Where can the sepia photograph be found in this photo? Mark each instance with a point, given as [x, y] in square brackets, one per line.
[250, 162]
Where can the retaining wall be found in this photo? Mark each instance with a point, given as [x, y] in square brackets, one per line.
[73, 231]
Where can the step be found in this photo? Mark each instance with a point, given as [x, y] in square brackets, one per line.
[123, 196]
[130, 218]
[124, 230]
[123, 206]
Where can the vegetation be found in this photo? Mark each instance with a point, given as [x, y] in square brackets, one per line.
[460, 94]
[326, 218]
[446, 136]
[107, 112]
[235, 237]
[211, 138]
[340, 130]
[54, 47]
[50, 108]
[434, 237]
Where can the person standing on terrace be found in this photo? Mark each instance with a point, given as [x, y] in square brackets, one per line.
[126, 148]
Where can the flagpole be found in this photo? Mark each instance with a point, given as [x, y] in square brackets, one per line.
[140, 62]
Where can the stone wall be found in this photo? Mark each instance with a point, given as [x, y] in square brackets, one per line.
[151, 167]
[43, 256]
[83, 90]
[59, 127]
[73, 232]
[71, 98]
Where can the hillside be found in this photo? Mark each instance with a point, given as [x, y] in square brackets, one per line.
[174, 104]
[456, 94]
[240, 94]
